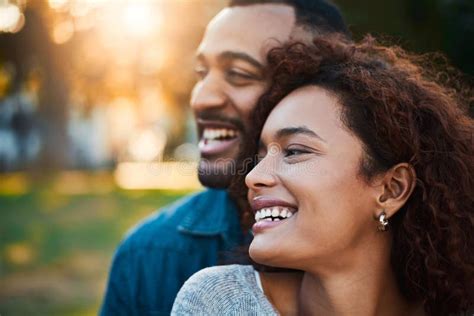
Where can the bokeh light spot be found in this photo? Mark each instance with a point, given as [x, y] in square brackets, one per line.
[19, 253]
[10, 18]
[63, 32]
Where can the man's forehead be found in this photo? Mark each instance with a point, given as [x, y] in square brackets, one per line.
[251, 29]
[260, 13]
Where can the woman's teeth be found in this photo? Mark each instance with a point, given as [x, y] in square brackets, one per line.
[275, 213]
[221, 133]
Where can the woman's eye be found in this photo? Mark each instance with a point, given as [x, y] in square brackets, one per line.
[294, 152]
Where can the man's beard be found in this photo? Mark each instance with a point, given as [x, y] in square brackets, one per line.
[216, 174]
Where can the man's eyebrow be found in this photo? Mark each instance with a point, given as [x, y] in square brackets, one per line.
[230, 55]
[201, 57]
[289, 131]
[242, 56]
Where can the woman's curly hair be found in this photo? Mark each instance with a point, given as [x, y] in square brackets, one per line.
[391, 100]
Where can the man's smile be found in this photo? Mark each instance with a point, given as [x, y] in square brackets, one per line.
[217, 137]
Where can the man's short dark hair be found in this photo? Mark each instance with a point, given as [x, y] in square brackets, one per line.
[318, 16]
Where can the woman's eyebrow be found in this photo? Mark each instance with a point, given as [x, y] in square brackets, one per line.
[289, 131]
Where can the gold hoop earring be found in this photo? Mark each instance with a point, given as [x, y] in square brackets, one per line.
[382, 222]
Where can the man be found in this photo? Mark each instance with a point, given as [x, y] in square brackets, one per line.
[157, 257]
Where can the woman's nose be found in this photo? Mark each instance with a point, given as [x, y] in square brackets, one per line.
[261, 176]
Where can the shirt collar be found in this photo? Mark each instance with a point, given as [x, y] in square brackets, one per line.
[210, 213]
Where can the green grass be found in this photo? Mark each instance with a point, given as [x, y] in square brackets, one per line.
[56, 247]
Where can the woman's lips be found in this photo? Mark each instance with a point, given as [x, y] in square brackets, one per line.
[262, 225]
[260, 202]
[270, 212]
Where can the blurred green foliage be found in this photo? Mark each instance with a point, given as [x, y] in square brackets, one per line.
[56, 247]
[421, 26]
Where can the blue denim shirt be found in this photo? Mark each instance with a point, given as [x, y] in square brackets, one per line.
[164, 250]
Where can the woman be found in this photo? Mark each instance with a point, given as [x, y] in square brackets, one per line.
[364, 183]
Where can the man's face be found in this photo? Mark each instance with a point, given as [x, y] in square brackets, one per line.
[231, 70]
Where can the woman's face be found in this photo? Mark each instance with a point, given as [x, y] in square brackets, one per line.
[309, 167]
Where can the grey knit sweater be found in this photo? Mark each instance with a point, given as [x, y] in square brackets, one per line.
[222, 290]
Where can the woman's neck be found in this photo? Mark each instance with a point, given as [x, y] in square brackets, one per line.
[361, 283]
[346, 295]
[282, 290]
[364, 284]
[301, 293]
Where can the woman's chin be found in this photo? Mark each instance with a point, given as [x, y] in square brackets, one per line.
[262, 255]
[256, 253]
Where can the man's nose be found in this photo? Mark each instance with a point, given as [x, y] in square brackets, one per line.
[208, 93]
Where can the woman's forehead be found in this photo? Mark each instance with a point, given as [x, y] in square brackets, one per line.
[310, 106]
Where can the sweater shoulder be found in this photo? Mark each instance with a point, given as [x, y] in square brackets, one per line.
[227, 279]
[222, 290]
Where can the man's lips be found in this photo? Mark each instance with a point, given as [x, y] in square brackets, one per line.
[217, 137]
[215, 147]
[202, 123]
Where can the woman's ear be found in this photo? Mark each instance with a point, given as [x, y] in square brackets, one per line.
[398, 184]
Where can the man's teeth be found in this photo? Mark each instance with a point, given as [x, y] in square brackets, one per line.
[212, 133]
[275, 213]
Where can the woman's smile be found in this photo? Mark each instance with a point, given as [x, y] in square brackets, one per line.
[270, 212]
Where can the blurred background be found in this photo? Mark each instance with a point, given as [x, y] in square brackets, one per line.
[95, 130]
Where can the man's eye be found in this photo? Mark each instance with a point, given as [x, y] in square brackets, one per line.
[238, 77]
[200, 71]
[238, 74]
